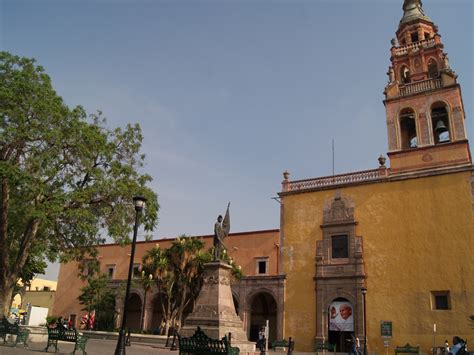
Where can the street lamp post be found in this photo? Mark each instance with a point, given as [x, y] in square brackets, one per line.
[364, 291]
[139, 203]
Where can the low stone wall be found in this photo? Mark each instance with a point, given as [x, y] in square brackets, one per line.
[134, 337]
[40, 334]
[37, 334]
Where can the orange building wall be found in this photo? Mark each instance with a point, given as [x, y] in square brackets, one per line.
[244, 248]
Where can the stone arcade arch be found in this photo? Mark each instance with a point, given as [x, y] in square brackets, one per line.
[248, 287]
[263, 307]
[134, 312]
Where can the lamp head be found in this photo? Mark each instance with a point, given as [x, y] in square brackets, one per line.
[363, 290]
[139, 202]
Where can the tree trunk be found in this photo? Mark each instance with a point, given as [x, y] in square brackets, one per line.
[142, 321]
[182, 304]
[6, 289]
[6, 293]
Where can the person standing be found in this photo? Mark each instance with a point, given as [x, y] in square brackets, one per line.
[458, 345]
[261, 339]
[446, 347]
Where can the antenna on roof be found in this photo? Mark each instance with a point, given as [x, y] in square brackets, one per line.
[277, 199]
[333, 157]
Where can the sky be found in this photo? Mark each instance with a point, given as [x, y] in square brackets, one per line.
[231, 93]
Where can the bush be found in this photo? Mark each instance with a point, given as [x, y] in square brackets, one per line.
[51, 320]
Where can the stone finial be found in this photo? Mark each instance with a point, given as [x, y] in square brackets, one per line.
[382, 161]
[285, 184]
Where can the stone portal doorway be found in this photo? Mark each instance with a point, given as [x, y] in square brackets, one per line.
[341, 324]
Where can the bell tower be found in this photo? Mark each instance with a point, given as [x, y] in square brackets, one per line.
[423, 102]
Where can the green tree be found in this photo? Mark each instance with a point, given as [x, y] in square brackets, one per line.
[64, 176]
[177, 272]
[97, 297]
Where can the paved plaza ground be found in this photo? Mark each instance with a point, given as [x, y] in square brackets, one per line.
[101, 347]
[94, 347]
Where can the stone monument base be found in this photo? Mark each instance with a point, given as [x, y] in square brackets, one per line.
[214, 310]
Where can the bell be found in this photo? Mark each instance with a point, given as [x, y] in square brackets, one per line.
[441, 127]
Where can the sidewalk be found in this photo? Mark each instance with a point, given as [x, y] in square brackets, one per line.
[94, 347]
[104, 347]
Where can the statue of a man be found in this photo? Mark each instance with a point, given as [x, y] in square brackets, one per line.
[446, 62]
[221, 231]
[391, 75]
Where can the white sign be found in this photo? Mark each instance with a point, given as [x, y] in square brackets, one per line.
[36, 316]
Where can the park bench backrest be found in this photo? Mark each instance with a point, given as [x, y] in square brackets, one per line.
[407, 349]
[200, 343]
[8, 327]
[325, 346]
[282, 343]
[62, 334]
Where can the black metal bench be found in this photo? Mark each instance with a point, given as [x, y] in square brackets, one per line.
[70, 335]
[285, 344]
[279, 344]
[319, 347]
[407, 349]
[201, 344]
[7, 328]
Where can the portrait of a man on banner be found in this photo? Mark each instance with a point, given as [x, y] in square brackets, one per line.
[340, 317]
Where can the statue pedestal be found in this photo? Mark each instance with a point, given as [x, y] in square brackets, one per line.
[214, 310]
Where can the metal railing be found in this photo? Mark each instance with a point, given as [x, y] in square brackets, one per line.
[356, 177]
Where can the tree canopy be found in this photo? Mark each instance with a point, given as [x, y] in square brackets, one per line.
[177, 272]
[65, 178]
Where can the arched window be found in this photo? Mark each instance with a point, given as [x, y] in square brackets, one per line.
[432, 68]
[405, 74]
[440, 123]
[408, 129]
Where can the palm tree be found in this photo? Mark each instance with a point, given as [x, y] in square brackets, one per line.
[177, 272]
[147, 283]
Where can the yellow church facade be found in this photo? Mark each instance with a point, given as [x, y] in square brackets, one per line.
[416, 241]
[395, 243]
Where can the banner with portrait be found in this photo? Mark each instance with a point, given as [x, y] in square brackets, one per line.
[341, 317]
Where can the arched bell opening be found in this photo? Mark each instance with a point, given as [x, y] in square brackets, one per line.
[440, 123]
[405, 75]
[408, 134]
[433, 68]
